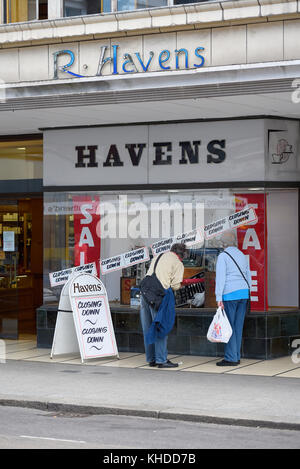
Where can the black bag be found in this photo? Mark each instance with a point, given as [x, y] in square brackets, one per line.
[248, 309]
[151, 288]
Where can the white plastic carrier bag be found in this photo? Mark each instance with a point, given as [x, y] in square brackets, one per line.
[220, 329]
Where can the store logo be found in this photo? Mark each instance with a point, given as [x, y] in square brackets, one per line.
[131, 63]
[87, 155]
[86, 288]
[284, 150]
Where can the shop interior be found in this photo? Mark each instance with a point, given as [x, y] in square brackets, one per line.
[21, 239]
[21, 265]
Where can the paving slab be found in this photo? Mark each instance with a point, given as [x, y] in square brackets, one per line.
[186, 362]
[24, 354]
[134, 361]
[290, 374]
[100, 361]
[19, 347]
[268, 367]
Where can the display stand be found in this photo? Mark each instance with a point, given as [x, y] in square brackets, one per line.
[84, 321]
[65, 338]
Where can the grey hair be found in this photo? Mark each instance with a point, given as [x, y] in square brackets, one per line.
[228, 238]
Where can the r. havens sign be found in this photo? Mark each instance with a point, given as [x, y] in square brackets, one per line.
[64, 59]
[152, 154]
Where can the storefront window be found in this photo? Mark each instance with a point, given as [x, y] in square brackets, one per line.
[16, 11]
[21, 160]
[126, 221]
[21, 237]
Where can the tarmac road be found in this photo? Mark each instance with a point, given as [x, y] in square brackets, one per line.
[35, 429]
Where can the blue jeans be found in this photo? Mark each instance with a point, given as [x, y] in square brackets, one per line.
[156, 352]
[235, 311]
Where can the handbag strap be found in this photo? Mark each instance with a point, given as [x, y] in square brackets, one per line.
[156, 262]
[225, 252]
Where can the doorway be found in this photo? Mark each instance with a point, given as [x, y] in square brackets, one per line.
[21, 265]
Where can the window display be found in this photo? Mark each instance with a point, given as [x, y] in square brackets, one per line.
[87, 227]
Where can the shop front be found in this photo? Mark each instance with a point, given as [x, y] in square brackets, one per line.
[116, 195]
[155, 126]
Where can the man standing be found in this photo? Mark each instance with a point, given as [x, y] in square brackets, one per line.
[169, 271]
[233, 283]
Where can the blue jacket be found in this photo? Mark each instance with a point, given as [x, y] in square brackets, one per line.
[164, 319]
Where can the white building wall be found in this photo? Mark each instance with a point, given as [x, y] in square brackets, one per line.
[229, 45]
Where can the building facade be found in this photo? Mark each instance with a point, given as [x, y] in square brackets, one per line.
[124, 124]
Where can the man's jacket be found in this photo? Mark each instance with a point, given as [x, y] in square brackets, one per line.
[164, 319]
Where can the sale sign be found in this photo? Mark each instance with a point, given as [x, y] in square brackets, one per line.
[252, 242]
[86, 220]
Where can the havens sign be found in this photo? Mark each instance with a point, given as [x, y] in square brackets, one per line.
[130, 63]
[163, 154]
[155, 154]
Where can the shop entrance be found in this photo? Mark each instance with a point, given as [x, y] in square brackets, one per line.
[21, 265]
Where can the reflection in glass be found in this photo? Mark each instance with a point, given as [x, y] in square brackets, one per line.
[82, 7]
[24, 10]
[139, 4]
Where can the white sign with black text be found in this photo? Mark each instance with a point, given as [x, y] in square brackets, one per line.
[153, 154]
[122, 261]
[92, 317]
[61, 277]
[244, 217]
[190, 239]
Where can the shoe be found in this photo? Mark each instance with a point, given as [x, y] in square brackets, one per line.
[153, 363]
[226, 363]
[168, 364]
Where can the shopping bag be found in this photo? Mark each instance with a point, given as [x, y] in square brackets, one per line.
[220, 329]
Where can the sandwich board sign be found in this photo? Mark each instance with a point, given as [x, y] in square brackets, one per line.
[84, 321]
[65, 338]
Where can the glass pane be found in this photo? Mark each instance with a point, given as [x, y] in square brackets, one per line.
[153, 216]
[9, 244]
[183, 2]
[283, 249]
[82, 7]
[32, 10]
[43, 9]
[21, 265]
[106, 6]
[138, 4]
[21, 160]
[124, 5]
[18, 10]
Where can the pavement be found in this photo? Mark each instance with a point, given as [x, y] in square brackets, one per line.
[260, 393]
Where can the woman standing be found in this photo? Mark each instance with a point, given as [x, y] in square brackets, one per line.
[233, 284]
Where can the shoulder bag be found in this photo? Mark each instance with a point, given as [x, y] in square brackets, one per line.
[248, 309]
[151, 288]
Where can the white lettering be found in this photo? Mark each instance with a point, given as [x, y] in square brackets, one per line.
[86, 237]
[251, 240]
